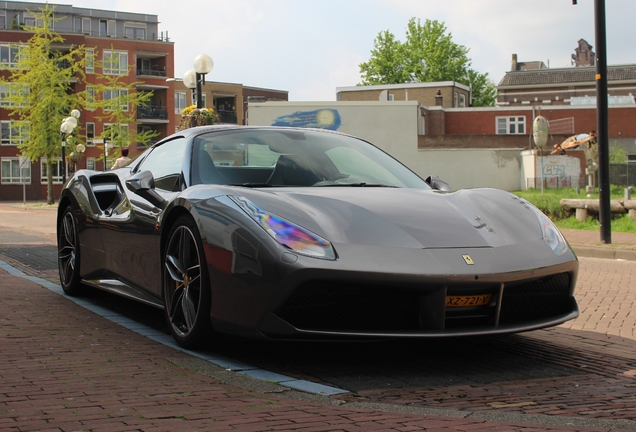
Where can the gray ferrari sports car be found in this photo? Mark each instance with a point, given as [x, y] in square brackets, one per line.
[290, 233]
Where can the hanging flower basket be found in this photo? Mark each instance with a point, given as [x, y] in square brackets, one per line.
[192, 117]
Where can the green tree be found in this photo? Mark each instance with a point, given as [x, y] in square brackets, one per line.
[617, 155]
[387, 64]
[431, 55]
[117, 102]
[484, 92]
[40, 95]
[428, 55]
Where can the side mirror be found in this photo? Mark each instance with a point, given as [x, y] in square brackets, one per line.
[143, 184]
[438, 184]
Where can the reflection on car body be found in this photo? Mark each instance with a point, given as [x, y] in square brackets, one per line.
[288, 233]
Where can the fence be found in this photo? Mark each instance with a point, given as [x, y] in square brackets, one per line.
[619, 175]
[557, 182]
[622, 174]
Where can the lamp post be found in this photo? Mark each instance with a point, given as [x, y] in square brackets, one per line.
[195, 78]
[68, 124]
[105, 153]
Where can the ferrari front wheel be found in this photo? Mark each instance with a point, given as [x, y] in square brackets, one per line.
[186, 289]
[68, 253]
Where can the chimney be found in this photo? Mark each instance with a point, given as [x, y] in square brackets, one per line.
[514, 63]
[439, 100]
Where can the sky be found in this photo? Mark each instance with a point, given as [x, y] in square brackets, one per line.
[310, 48]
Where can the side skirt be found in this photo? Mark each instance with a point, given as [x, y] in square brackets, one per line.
[117, 287]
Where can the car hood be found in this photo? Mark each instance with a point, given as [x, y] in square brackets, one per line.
[402, 217]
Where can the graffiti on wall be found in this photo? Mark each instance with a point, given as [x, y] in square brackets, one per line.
[322, 119]
[560, 171]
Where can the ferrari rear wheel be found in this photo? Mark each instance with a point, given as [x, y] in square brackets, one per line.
[186, 288]
[68, 253]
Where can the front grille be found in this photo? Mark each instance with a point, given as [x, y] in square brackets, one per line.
[536, 300]
[354, 307]
[343, 306]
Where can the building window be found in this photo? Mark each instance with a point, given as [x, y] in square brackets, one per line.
[113, 97]
[511, 125]
[10, 54]
[135, 31]
[90, 61]
[12, 173]
[179, 102]
[115, 62]
[4, 95]
[82, 25]
[29, 20]
[90, 98]
[19, 93]
[455, 100]
[12, 133]
[106, 27]
[90, 133]
[113, 130]
[3, 20]
[90, 163]
[462, 100]
[56, 171]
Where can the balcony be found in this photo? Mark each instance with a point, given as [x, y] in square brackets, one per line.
[153, 112]
[151, 72]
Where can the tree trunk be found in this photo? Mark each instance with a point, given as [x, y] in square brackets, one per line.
[50, 198]
[591, 205]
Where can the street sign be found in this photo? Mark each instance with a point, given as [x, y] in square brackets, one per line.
[24, 162]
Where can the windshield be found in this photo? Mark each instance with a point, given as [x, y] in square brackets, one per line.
[293, 158]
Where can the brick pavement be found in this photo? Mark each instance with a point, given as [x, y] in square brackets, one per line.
[64, 368]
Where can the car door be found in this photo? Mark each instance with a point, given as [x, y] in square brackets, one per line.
[129, 233]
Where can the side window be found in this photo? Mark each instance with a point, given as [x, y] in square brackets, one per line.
[164, 162]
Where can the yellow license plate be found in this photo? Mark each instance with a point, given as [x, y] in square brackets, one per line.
[468, 300]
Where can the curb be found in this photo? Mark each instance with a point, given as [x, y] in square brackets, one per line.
[605, 253]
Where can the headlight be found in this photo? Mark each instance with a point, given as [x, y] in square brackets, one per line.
[287, 233]
[551, 233]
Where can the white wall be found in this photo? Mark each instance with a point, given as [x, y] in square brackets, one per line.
[567, 169]
[393, 126]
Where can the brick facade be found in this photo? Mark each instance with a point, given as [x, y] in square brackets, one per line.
[453, 94]
[150, 59]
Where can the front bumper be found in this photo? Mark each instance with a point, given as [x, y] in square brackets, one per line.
[372, 292]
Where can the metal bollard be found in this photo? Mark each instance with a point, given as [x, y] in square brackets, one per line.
[628, 193]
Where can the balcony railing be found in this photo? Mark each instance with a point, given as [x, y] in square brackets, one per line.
[151, 72]
[97, 33]
[153, 112]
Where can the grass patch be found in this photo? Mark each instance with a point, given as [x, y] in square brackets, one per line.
[549, 202]
[620, 223]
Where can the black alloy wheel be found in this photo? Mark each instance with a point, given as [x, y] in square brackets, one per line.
[68, 253]
[186, 291]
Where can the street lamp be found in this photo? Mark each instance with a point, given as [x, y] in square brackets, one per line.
[195, 78]
[106, 147]
[68, 124]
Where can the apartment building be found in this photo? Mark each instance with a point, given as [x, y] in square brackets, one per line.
[133, 39]
[229, 100]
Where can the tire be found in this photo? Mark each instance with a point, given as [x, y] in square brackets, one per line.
[186, 287]
[68, 253]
